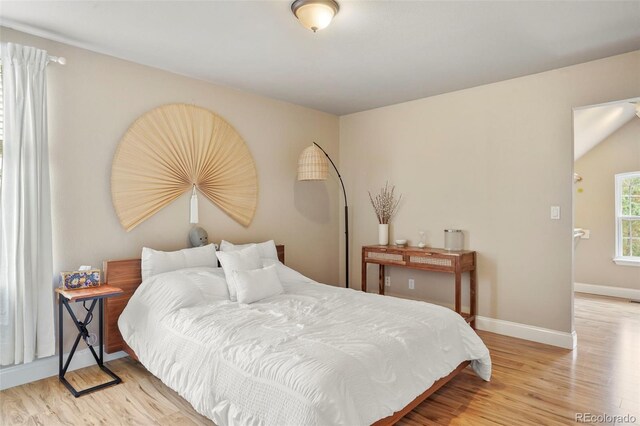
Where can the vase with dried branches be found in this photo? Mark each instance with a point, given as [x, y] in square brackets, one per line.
[385, 205]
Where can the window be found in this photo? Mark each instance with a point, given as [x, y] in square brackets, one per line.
[628, 219]
[1, 124]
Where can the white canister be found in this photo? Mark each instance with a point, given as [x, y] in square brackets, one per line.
[453, 239]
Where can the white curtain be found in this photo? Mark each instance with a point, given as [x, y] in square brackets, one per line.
[26, 266]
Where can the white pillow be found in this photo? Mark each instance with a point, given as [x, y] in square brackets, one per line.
[183, 288]
[240, 260]
[257, 284]
[267, 249]
[155, 262]
[210, 281]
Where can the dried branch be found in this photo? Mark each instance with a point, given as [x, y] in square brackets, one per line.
[385, 204]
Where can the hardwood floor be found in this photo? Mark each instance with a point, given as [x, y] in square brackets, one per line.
[531, 384]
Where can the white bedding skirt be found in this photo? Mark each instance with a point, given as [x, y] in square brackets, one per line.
[316, 355]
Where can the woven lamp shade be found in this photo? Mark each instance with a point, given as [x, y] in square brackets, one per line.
[313, 164]
[170, 149]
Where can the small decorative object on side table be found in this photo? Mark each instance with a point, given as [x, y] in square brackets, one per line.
[384, 205]
[401, 243]
[453, 239]
[423, 239]
[95, 295]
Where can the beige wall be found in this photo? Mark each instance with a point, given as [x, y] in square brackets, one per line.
[490, 160]
[594, 208]
[92, 102]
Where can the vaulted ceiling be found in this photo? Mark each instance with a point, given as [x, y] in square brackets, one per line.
[592, 125]
[375, 53]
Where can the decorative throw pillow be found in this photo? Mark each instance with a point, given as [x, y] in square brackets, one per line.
[240, 260]
[267, 249]
[156, 262]
[257, 284]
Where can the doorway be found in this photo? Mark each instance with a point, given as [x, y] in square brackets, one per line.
[606, 199]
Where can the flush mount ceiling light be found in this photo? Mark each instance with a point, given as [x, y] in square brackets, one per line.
[315, 14]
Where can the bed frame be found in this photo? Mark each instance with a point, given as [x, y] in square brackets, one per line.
[126, 275]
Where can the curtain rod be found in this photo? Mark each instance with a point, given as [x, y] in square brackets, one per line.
[56, 59]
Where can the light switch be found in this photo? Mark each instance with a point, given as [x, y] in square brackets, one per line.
[555, 212]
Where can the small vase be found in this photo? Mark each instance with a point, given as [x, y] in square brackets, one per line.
[383, 234]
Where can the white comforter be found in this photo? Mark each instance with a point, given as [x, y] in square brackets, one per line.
[316, 355]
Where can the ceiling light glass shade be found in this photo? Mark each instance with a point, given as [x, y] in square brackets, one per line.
[313, 164]
[638, 109]
[315, 14]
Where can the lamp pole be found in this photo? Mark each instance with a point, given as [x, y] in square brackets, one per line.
[346, 218]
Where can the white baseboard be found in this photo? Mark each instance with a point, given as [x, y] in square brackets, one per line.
[42, 368]
[528, 332]
[605, 290]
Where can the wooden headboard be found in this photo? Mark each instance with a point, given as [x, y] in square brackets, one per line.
[126, 275]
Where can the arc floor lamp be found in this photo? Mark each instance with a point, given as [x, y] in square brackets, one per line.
[312, 165]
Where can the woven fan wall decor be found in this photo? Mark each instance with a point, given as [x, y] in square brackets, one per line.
[170, 149]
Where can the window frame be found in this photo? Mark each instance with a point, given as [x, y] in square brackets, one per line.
[619, 258]
[1, 124]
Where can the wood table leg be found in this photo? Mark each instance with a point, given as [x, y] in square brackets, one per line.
[458, 274]
[363, 283]
[381, 279]
[473, 281]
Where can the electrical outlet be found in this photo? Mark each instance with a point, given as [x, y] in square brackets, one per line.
[586, 235]
[387, 281]
[412, 284]
[555, 212]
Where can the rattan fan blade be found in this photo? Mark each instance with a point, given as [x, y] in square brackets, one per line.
[171, 148]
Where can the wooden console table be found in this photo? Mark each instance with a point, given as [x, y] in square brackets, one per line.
[426, 259]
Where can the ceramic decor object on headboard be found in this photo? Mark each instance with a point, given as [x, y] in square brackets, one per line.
[170, 149]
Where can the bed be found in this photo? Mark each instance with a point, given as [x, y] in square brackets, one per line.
[317, 354]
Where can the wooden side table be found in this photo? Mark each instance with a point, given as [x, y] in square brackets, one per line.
[96, 295]
[426, 259]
